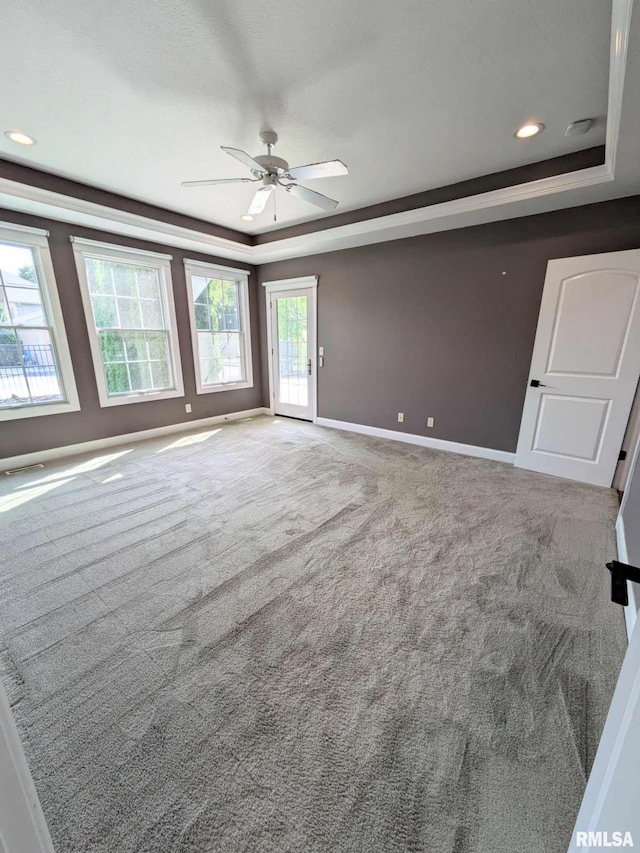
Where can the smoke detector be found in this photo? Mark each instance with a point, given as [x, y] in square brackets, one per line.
[577, 128]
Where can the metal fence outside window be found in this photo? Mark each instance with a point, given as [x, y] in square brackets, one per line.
[24, 370]
[37, 356]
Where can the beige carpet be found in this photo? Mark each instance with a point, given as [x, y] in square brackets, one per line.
[271, 636]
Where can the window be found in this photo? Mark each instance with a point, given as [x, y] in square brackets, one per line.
[219, 310]
[128, 302]
[36, 375]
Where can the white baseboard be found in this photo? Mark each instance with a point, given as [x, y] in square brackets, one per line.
[631, 610]
[422, 441]
[41, 456]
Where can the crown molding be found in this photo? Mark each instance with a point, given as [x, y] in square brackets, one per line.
[564, 190]
[37, 201]
[410, 223]
[457, 213]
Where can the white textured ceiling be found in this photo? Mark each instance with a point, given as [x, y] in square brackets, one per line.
[137, 96]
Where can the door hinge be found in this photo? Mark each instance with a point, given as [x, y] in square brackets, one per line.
[622, 455]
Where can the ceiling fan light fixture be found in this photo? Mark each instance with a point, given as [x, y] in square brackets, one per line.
[531, 128]
[20, 137]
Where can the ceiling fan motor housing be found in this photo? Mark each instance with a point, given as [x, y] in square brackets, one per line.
[273, 165]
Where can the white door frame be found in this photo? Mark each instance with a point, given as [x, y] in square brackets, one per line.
[309, 282]
[610, 799]
[22, 823]
[630, 554]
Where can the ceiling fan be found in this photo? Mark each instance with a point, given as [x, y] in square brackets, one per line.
[272, 171]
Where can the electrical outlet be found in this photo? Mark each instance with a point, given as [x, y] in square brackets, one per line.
[400, 417]
[187, 408]
[430, 422]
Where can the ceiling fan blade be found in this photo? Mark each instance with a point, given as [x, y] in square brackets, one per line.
[312, 197]
[243, 157]
[216, 181]
[328, 169]
[260, 199]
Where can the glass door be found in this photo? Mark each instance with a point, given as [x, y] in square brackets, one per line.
[293, 353]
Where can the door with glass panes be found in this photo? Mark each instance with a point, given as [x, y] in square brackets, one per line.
[293, 346]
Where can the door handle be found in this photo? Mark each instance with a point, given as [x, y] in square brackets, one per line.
[535, 383]
[620, 574]
[309, 367]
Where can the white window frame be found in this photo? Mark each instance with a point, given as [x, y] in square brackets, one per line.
[36, 240]
[200, 268]
[84, 249]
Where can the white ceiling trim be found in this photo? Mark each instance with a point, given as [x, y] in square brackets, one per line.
[451, 214]
[41, 202]
[620, 29]
[402, 224]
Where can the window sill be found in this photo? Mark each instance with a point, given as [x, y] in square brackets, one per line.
[36, 411]
[227, 386]
[144, 397]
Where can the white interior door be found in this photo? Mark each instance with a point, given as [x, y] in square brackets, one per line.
[610, 803]
[292, 313]
[609, 815]
[585, 367]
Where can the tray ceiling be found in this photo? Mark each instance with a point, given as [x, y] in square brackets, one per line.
[136, 97]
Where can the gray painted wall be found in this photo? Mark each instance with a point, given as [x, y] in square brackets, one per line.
[443, 325]
[92, 422]
[428, 326]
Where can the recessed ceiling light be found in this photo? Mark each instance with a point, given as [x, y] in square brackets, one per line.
[531, 128]
[20, 137]
[246, 217]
